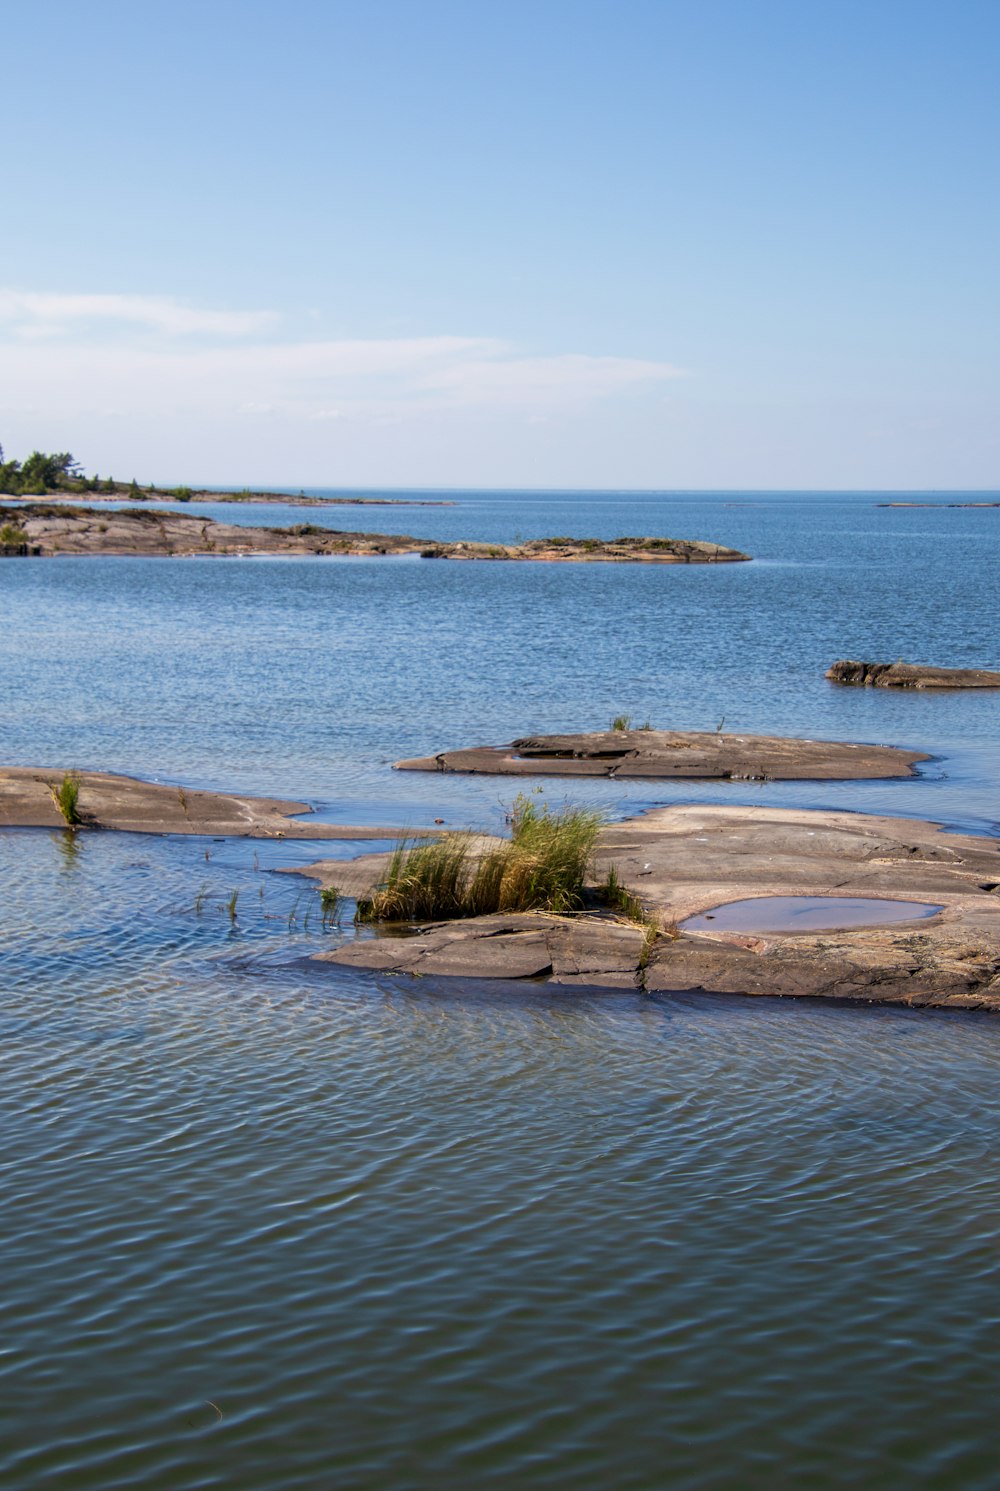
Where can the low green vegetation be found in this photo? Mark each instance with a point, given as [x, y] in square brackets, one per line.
[624, 722]
[11, 534]
[542, 867]
[617, 897]
[67, 799]
[58, 471]
[39, 474]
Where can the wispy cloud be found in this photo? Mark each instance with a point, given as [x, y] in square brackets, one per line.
[152, 355]
[32, 314]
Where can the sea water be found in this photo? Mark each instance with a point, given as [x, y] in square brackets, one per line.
[271, 1224]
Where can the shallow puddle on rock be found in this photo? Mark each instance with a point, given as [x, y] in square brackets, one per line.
[805, 914]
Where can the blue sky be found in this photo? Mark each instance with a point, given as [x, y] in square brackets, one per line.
[739, 243]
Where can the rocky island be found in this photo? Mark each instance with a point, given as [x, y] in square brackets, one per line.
[47, 528]
[684, 860]
[910, 676]
[672, 864]
[38, 797]
[685, 754]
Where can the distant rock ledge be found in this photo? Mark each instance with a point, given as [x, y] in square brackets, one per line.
[685, 754]
[910, 676]
[48, 528]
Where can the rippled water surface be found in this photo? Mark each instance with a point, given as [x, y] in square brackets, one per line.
[270, 1224]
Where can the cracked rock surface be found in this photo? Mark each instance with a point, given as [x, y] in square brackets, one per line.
[684, 860]
[686, 754]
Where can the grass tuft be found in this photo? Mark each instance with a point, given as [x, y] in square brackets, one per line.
[541, 867]
[67, 799]
[619, 898]
[621, 722]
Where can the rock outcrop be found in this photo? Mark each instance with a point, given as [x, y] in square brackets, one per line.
[686, 754]
[593, 951]
[679, 861]
[61, 528]
[910, 676]
[128, 805]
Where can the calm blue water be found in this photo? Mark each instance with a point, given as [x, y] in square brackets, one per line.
[268, 1224]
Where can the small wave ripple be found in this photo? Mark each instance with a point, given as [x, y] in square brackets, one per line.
[273, 1226]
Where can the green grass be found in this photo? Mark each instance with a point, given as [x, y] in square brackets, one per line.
[619, 898]
[67, 799]
[10, 534]
[541, 867]
[621, 722]
[329, 903]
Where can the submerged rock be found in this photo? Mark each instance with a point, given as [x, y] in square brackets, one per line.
[910, 676]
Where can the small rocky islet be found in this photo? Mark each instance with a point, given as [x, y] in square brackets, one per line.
[685, 754]
[44, 529]
[672, 863]
[900, 675]
[675, 862]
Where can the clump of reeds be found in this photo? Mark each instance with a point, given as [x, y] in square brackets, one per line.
[619, 898]
[621, 722]
[541, 867]
[67, 799]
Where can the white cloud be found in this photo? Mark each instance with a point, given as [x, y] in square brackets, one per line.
[84, 363]
[32, 315]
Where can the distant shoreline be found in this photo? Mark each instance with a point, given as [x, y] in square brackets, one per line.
[45, 529]
[123, 493]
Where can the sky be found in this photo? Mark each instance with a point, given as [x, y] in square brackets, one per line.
[564, 243]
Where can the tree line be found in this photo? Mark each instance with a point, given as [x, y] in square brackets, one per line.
[56, 471]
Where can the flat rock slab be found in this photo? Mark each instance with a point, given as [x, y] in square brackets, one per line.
[27, 800]
[684, 754]
[683, 860]
[910, 676]
[583, 950]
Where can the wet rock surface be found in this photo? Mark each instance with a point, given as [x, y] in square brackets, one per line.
[585, 951]
[107, 801]
[910, 676]
[675, 753]
[59, 528]
[679, 861]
